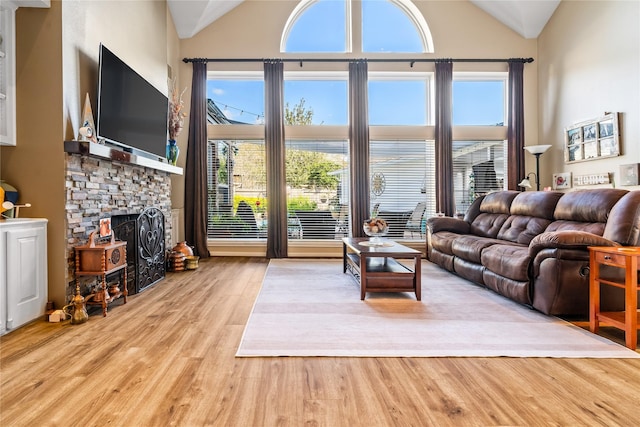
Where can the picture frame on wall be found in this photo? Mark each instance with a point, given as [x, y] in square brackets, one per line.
[562, 180]
[592, 139]
[629, 174]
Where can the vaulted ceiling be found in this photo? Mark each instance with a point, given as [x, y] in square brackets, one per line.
[526, 17]
[191, 16]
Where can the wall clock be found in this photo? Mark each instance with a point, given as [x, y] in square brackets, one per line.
[378, 183]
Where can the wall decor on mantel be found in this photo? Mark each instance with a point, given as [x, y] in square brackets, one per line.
[592, 139]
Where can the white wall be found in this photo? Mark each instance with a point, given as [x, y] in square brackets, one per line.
[589, 64]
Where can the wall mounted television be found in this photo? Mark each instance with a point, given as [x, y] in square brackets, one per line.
[132, 113]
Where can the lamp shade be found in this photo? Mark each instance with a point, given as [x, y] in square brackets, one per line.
[537, 149]
[525, 183]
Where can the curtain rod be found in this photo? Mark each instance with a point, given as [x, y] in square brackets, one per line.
[410, 60]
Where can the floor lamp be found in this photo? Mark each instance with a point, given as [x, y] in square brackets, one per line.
[537, 151]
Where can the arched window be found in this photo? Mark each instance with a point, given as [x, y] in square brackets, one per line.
[394, 26]
[317, 26]
[388, 26]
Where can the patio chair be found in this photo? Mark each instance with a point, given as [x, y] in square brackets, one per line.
[414, 223]
[246, 214]
[343, 220]
[397, 221]
[317, 224]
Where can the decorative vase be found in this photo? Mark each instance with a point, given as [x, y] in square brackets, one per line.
[173, 151]
[175, 261]
[183, 248]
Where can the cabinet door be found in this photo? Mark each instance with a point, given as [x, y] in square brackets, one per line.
[3, 281]
[26, 275]
[7, 74]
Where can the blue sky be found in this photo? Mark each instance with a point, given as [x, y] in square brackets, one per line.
[390, 102]
[399, 103]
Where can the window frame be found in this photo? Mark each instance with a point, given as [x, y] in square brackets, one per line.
[301, 8]
[480, 76]
[353, 25]
[427, 76]
[341, 133]
[315, 75]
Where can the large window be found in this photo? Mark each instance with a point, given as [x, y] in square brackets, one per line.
[237, 196]
[403, 186]
[316, 98]
[398, 99]
[401, 129]
[317, 189]
[235, 98]
[479, 167]
[479, 99]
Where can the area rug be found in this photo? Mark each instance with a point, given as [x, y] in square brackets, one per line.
[311, 308]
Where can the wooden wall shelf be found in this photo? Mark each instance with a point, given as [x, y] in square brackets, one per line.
[92, 149]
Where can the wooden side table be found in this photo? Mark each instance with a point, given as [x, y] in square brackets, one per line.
[627, 320]
[103, 260]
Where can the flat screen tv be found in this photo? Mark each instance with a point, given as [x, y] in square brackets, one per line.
[132, 113]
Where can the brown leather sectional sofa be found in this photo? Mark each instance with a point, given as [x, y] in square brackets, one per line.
[532, 246]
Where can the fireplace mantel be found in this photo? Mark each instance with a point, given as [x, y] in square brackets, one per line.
[92, 149]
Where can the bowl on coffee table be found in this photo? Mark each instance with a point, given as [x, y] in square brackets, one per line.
[375, 228]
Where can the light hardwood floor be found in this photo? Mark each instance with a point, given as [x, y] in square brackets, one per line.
[167, 358]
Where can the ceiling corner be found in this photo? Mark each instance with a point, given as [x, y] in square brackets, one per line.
[525, 17]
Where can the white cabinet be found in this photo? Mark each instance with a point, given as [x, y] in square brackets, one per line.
[7, 74]
[8, 65]
[23, 271]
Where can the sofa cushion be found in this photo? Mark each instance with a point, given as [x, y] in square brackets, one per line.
[488, 224]
[436, 224]
[499, 202]
[623, 225]
[539, 204]
[567, 240]
[494, 211]
[596, 228]
[470, 247]
[443, 240]
[587, 206]
[531, 213]
[510, 261]
[522, 229]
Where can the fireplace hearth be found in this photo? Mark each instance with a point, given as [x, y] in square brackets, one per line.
[145, 237]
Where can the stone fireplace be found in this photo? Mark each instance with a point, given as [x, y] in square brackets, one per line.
[98, 188]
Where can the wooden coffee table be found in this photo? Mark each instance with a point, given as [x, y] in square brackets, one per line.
[377, 269]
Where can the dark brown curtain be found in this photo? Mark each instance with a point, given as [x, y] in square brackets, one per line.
[275, 160]
[515, 126]
[443, 141]
[195, 179]
[359, 145]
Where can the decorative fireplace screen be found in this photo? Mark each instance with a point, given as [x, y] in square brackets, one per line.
[144, 234]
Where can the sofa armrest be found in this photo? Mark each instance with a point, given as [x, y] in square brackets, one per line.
[567, 240]
[443, 223]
